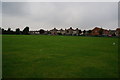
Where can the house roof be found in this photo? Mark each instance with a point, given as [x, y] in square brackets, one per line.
[77, 29]
[70, 28]
[96, 28]
[118, 29]
[61, 29]
[54, 29]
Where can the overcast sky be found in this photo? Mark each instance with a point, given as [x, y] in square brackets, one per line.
[47, 15]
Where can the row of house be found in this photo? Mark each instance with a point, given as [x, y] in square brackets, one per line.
[99, 31]
[70, 31]
[55, 31]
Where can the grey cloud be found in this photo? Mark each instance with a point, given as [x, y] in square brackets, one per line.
[15, 9]
[84, 15]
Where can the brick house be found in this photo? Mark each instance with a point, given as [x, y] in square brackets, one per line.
[118, 32]
[95, 31]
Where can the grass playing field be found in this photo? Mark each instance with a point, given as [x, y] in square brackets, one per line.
[42, 56]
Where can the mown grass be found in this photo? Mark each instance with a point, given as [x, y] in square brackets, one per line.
[42, 56]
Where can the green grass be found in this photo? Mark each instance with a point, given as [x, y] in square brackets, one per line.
[42, 56]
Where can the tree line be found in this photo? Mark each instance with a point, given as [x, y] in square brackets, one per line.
[17, 31]
[41, 31]
[25, 31]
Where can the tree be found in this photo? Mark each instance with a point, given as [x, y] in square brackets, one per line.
[101, 31]
[9, 31]
[42, 31]
[113, 34]
[80, 31]
[84, 32]
[17, 31]
[59, 33]
[26, 31]
[0, 30]
[3, 31]
[89, 32]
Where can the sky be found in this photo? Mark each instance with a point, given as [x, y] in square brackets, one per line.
[49, 15]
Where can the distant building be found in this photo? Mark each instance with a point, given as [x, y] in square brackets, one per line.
[54, 31]
[69, 31]
[118, 32]
[47, 32]
[112, 33]
[76, 32]
[62, 31]
[99, 31]
[105, 32]
[34, 32]
[95, 31]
